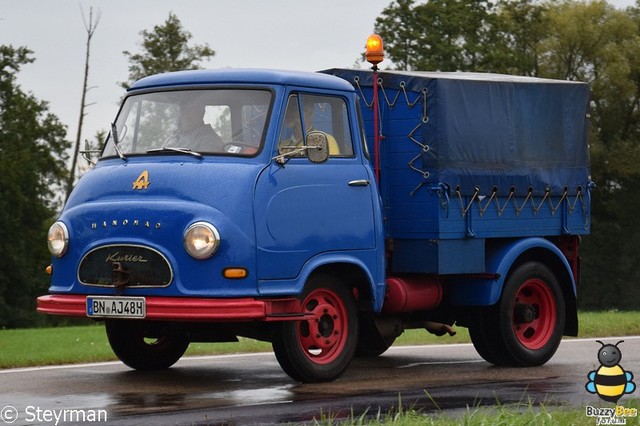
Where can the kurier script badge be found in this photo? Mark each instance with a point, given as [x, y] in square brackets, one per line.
[143, 181]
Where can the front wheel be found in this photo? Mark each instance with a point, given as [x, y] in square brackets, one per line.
[321, 348]
[145, 348]
[525, 327]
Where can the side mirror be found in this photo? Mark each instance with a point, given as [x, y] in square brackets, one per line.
[317, 147]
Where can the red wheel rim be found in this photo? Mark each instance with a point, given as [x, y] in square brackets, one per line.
[534, 314]
[323, 338]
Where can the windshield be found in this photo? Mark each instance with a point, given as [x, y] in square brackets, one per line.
[222, 121]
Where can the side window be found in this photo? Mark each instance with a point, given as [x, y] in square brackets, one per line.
[326, 114]
[291, 133]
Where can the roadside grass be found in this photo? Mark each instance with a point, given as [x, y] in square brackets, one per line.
[519, 414]
[81, 344]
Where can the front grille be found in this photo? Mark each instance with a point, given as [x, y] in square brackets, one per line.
[142, 267]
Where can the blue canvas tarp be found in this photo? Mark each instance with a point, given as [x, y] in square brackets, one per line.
[494, 132]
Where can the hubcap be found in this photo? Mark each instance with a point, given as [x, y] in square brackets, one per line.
[323, 337]
[534, 314]
[523, 314]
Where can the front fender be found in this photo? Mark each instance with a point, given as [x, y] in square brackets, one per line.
[357, 259]
[499, 260]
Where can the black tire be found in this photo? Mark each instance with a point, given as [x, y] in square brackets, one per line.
[371, 343]
[320, 349]
[484, 333]
[137, 346]
[366, 349]
[526, 326]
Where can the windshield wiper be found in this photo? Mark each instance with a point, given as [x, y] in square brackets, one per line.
[116, 142]
[176, 149]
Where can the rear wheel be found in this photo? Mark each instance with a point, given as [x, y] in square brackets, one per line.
[485, 335]
[525, 327]
[321, 348]
[145, 348]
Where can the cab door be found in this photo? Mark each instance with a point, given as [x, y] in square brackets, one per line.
[304, 209]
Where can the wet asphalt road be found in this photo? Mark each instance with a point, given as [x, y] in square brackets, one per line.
[252, 389]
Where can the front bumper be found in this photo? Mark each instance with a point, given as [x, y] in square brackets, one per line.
[189, 309]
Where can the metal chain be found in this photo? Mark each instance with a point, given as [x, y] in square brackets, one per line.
[518, 208]
[486, 206]
[524, 203]
[506, 203]
[555, 208]
[464, 210]
[356, 80]
[578, 197]
[537, 208]
[392, 103]
[386, 98]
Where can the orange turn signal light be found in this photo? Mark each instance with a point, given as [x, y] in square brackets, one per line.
[375, 49]
[235, 273]
[48, 270]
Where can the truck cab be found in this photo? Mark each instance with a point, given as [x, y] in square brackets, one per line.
[209, 205]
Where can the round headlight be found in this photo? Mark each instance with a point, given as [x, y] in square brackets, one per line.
[201, 240]
[58, 239]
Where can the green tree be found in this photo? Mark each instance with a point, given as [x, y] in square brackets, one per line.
[608, 56]
[165, 49]
[521, 27]
[397, 27]
[439, 35]
[32, 167]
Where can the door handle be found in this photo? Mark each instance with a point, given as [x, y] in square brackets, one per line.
[359, 182]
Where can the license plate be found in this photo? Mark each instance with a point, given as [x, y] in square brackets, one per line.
[116, 307]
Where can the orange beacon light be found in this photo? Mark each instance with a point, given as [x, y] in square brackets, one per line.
[375, 49]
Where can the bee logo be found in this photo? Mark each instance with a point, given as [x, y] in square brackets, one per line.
[610, 381]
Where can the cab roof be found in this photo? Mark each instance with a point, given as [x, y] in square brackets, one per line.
[242, 76]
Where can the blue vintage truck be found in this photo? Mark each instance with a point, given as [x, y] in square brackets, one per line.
[260, 203]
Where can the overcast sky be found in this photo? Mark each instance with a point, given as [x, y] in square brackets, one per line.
[285, 34]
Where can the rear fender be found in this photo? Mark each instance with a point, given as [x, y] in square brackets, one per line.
[500, 259]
